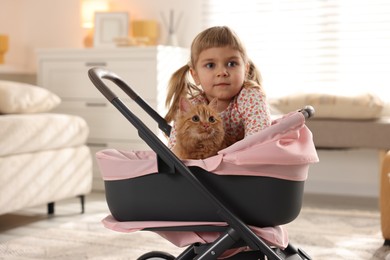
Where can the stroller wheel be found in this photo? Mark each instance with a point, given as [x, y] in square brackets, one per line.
[156, 255]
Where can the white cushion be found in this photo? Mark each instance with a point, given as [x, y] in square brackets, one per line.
[19, 98]
[386, 109]
[327, 105]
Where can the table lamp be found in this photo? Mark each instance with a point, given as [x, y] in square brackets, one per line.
[88, 10]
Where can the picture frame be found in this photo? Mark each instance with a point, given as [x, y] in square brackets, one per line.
[108, 26]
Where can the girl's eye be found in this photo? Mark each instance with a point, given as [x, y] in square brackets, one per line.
[195, 119]
[211, 119]
[232, 64]
[209, 65]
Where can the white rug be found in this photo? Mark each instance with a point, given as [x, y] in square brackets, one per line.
[84, 239]
[339, 234]
[323, 234]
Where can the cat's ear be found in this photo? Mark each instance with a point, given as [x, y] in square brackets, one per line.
[214, 104]
[185, 104]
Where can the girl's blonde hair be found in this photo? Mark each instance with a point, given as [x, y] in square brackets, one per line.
[180, 83]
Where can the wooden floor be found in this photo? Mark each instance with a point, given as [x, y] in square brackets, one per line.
[32, 219]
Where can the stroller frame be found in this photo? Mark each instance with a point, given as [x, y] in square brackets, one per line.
[237, 233]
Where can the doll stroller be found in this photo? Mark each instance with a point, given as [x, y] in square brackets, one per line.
[230, 206]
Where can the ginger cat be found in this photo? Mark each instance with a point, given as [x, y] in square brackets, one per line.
[200, 133]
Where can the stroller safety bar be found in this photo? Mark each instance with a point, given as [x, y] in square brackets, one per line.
[167, 160]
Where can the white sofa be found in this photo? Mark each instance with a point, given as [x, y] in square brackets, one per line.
[43, 156]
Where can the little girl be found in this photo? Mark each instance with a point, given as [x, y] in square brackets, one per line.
[220, 69]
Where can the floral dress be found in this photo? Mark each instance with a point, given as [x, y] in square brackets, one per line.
[246, 114]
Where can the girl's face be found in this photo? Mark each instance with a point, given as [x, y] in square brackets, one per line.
[221, 73]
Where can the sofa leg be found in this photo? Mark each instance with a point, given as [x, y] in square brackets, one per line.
[50, 208]
[82, 201]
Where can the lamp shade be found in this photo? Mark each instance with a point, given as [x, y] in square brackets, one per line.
[146, 29]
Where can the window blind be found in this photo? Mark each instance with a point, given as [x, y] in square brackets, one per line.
[301, 45]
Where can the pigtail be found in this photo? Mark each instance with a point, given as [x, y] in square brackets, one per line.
[179, 85]
[254, 73]
[254, 78]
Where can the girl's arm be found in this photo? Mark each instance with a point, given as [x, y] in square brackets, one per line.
[254, 110]
[172, 136]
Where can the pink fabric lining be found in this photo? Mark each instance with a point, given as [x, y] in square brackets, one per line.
[276, 236]
[284, 150]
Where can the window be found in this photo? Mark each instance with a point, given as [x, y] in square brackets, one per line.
[303, 45]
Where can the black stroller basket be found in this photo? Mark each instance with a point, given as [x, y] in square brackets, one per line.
[209, 202]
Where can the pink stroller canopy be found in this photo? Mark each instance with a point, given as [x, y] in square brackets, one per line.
[284, 150]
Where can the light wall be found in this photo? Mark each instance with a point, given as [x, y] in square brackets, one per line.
[39, 24]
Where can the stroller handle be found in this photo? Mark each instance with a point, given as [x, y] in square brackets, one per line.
[97, 74]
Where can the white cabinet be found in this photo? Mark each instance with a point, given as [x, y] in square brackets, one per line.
[146, 69]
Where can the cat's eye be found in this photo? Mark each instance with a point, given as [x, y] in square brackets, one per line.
[195, 119]
[212, 119]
